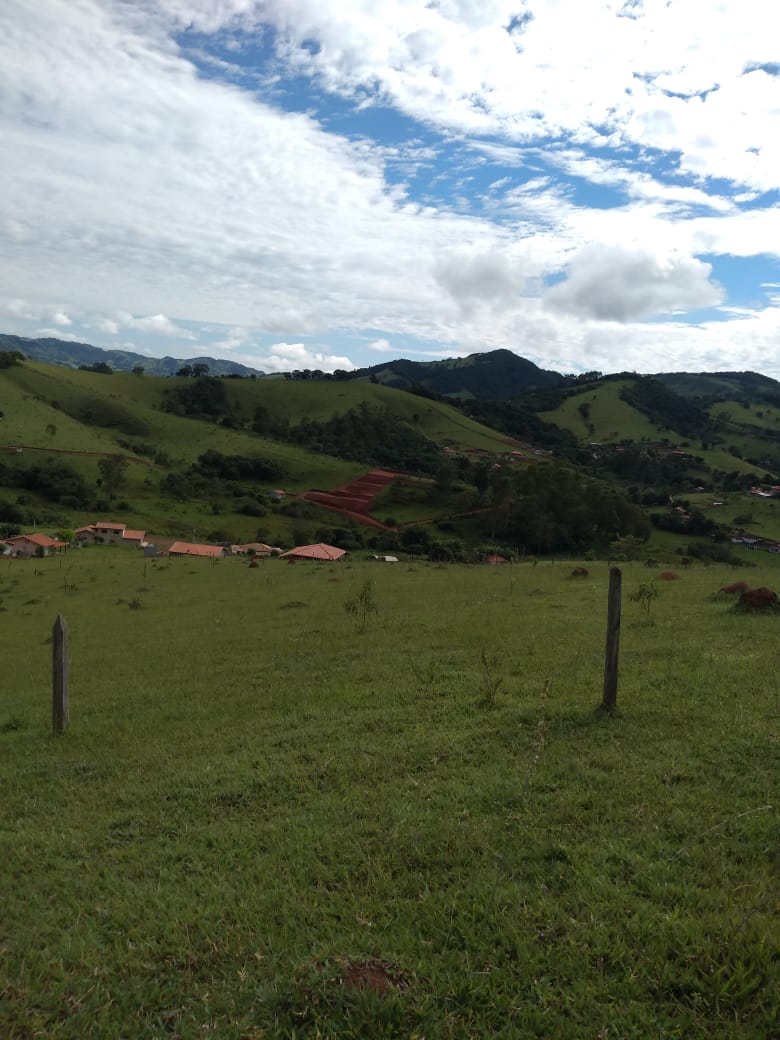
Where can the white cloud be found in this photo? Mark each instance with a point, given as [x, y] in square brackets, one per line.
[382, 346]
[612, 284]
[107, 325]
[234, 339]
[21, 309]
[135, 188]
[157, 324]
[285, 357]
[71, 337]
[475, 280]
[61, 318]
[666, 77]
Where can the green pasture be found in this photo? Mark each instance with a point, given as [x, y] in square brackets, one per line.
[758, 516]
[131, 406]
[274, 817]
[612, 419]
[763, 416]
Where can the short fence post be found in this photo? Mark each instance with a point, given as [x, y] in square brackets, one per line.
[613, 641]
[60, 707]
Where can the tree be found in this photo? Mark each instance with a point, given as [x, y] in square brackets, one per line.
[101, 367]
[200, 369]
[185, 371]
[138, 370]
[112, 472]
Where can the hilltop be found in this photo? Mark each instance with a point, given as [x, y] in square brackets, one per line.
[494, 374]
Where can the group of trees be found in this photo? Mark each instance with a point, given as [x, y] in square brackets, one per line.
[9, 358]
[201, 397]
[552, 508]
[371, 435]
[216, 477]
[52, 479]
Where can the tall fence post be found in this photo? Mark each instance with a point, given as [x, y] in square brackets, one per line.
[613, 640]
[60, 707]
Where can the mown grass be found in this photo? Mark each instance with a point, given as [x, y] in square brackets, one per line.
[254, 800]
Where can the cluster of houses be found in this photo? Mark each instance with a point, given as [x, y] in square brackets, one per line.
[104, 532]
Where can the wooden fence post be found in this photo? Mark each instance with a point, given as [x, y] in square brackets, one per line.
[60, 707]
[613, 641]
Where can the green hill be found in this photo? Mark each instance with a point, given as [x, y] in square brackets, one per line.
[203, 454]
[494, 374]
[66, 419]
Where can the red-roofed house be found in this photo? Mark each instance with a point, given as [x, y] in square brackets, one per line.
[253, 549]
[134, 538]
[320, 551]
[106, 532]
[193, 549]
[34, 544]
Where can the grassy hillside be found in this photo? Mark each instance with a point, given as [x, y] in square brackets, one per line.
[131, 403]
[420, 830]
[607, 417]
[73, 416]
[63, 412]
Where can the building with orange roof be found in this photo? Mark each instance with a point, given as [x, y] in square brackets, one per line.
[35, 544]
[320, 552]
[194, 549]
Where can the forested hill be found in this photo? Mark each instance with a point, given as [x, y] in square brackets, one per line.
[494, 375]
[54, 351]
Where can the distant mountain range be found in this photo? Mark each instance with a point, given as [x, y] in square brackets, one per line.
[497, 375]
[72, 355]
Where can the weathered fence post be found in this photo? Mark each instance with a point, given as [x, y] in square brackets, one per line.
[59, 681]
[613, 640]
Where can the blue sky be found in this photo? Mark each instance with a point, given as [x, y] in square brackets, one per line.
[332, 183]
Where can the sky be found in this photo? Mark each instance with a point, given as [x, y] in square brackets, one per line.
[330, 184]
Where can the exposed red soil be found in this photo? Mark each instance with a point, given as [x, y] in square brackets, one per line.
[738, 586]
[355, 499]
[758, 599]
[375, 975]
[669, 576]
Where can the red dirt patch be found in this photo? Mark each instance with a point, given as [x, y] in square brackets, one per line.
[580, 572]
[758, 599]
[354, 500]
[379, 976]
[738, 586]
[668, 576]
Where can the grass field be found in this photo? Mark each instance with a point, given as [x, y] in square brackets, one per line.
[265, 822]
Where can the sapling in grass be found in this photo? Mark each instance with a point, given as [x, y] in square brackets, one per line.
[363, 604]
[492, 680]
[644, 596]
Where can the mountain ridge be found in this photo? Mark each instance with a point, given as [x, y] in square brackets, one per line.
[53, 351]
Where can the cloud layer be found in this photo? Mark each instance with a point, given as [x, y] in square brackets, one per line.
[158, 181]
